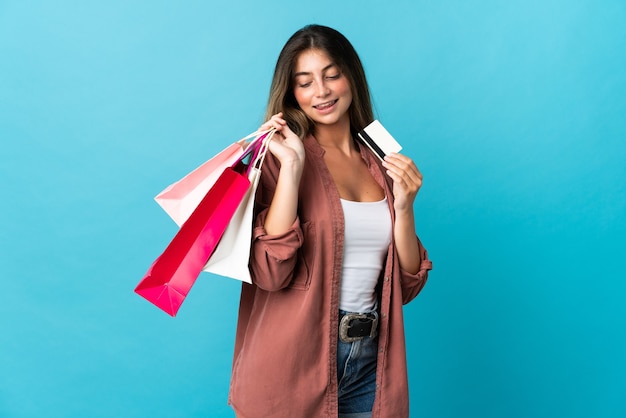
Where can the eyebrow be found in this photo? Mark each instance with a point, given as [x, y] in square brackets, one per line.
[332, 64]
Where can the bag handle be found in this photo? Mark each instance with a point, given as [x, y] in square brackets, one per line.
[261, 150]
[251, 146]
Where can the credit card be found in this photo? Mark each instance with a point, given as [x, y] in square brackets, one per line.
[379, 140]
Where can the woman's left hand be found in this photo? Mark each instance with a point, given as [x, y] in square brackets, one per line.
[407, 180]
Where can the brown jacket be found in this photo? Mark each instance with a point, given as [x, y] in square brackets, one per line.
[285, 349]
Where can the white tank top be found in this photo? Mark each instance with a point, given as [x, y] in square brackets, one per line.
[367, 239]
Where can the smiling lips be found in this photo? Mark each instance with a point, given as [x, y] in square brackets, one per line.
[326, 105]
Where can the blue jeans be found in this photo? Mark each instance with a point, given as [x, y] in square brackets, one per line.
[356, 374]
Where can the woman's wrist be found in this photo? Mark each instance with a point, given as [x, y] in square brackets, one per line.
[405, 214]
[291, 168]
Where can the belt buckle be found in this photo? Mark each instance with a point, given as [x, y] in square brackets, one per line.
[344, 327]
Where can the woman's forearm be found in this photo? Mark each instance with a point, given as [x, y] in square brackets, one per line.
[283, 209]
[406, 242]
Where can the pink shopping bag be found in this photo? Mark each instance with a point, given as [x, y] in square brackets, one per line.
[181, 198]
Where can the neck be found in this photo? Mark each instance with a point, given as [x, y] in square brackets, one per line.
[337, 135]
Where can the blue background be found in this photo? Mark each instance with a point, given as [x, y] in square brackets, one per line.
[514, 111]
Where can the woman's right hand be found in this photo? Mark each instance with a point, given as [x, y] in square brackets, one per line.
[285, 145]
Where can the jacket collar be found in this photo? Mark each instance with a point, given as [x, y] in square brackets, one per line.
[312, 146]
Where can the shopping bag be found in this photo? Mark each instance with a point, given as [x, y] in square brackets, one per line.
[181, 198]
[232, 255]
[173, 273]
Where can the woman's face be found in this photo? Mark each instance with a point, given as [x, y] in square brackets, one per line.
[321, 89]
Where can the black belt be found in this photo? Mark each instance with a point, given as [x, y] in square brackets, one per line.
[354, 326]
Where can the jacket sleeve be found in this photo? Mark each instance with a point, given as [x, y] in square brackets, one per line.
[272, 257]
[412, 284]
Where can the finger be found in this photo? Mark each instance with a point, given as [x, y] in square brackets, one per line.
[275, 122]
[402, 163]
[406, 173]
[266, 126]
[403, 180]
[286, 131]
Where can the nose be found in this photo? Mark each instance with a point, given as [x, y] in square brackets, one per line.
[322, 89]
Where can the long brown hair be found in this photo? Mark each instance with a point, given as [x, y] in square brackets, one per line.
[342, 53]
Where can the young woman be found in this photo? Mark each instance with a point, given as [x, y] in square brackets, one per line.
[334, 253]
